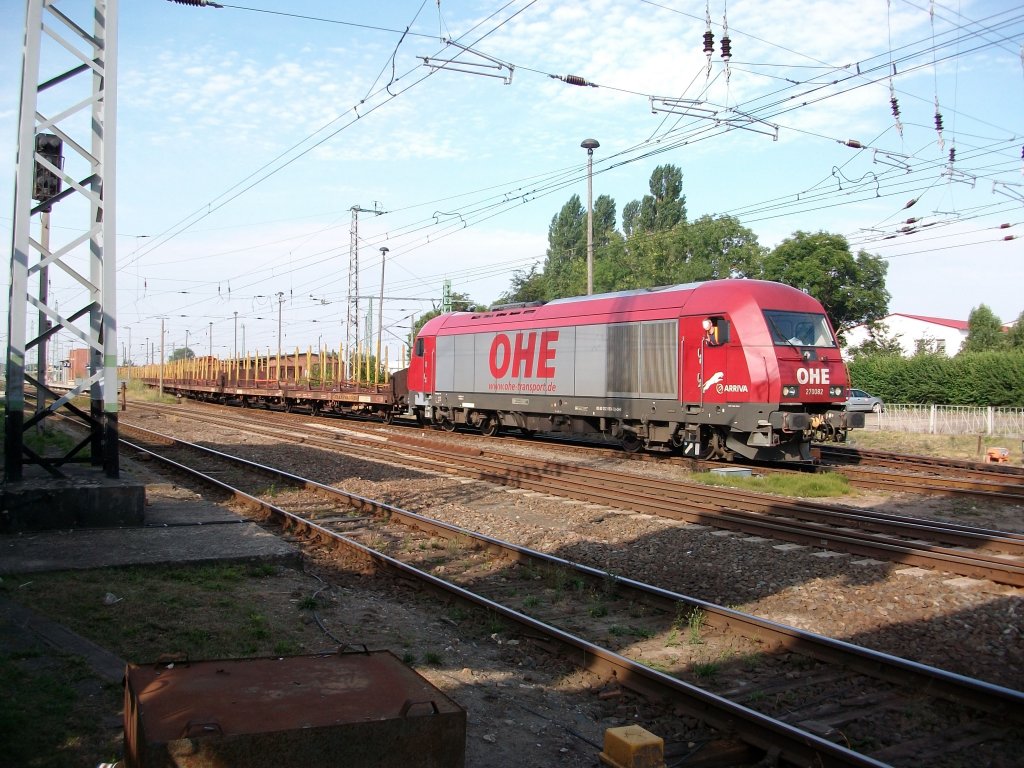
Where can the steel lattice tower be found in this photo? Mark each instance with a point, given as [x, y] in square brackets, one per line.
[68, 98]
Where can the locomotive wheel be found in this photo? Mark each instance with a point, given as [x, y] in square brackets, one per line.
[447, 424]
[631, 443]
[490, 426]
[714, 449]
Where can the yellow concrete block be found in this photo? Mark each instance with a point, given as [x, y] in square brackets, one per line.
[631, 746]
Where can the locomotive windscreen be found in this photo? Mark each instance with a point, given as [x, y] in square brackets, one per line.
[804, 329]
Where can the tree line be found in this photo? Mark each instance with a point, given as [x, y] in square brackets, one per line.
[658, 245]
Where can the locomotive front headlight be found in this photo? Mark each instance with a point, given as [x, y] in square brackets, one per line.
[835, 391]
[790, 390]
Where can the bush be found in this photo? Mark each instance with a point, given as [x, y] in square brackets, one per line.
[976, 378]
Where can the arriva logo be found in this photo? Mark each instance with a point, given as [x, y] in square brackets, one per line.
[531, 354]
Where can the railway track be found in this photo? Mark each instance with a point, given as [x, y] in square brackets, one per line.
[833, 706]
[977, 553]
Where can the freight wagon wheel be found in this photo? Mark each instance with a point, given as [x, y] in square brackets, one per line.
[631, 443]
[388, 416]
[490, 426]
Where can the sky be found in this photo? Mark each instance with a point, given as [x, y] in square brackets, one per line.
[250, 138]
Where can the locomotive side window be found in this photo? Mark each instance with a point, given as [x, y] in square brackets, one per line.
[419, 347]
[716, 330]
[800, 329]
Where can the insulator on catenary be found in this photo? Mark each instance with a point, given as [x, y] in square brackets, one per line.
[709, 42]
[952, 155]
[1011, 237]
[574, 80]
[198, 3]
[910, 202]
[912, 220]
[1005, 226]
[726, 48]
[938, 121]
[895, 107]
[853, 143]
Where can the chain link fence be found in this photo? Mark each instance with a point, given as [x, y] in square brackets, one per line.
[949, 420]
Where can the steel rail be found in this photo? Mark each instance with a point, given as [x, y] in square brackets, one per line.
[792, 744]
[922, 677]
[569, 480]
[877, 458]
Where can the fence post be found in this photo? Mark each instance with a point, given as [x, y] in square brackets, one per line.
[931, 420]
[990, 420]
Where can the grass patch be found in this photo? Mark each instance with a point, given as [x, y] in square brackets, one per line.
[695, 623]
[801, 485]
[707, 671]
[970, 447]
[54, 713]
[203, 612]
[50, 718]
[136, 390]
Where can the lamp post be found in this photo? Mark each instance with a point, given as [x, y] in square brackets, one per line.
[280, 303]
[380, 310]
[187, 350]
[236, 336]
[590, 145]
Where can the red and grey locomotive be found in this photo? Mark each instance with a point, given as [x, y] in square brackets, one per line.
[714, 369]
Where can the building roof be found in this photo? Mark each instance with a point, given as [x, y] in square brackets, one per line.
[960, 325]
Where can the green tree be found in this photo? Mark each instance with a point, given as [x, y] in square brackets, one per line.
[181, 353]
[460, 303]
[662, 209]
[879, 343]
[1015, 337]
[713, 248]
[567, 248]
[984, 331]
[851, 288]
[527, 285]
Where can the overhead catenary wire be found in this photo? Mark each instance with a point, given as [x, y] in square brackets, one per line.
[484, 212]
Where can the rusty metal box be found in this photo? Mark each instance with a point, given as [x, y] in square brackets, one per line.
[339, 709]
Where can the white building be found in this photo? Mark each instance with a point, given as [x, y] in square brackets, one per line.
[916, 332]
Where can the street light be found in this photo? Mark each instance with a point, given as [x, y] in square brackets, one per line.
[380, 310]
[590, 145]
[280, 303]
